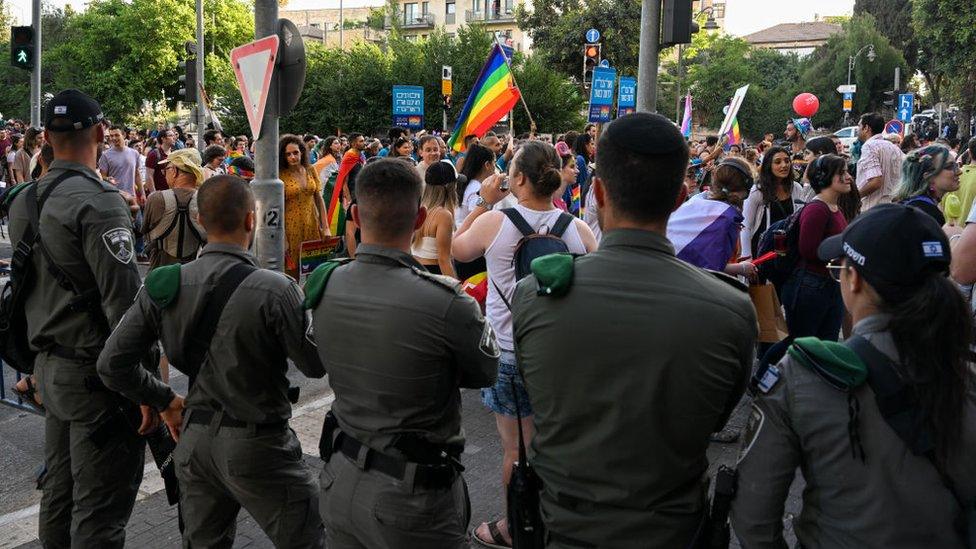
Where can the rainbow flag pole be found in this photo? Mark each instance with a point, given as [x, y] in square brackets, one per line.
[686, 118]
[493, 95]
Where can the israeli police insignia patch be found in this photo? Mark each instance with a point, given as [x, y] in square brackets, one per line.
[119, 243]
[488, 344]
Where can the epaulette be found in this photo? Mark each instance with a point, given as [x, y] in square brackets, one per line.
[730, 280]
[163, 284]
[315, 283]
[441, 280]
[554, 273]
[8, 197]
[834, 362]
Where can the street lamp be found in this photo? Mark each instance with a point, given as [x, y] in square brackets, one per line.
[709, 25]
[850, 67]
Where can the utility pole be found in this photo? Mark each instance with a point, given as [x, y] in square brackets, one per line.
[342, 23]
[35, 113]
[201, 110]
[647, 61]
[269, 191]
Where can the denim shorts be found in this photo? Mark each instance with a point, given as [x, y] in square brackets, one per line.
[500, 398]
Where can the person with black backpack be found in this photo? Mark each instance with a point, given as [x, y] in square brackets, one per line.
[509, 240]
[883, 426]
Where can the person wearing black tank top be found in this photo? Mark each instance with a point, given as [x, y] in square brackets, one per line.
[773, 198]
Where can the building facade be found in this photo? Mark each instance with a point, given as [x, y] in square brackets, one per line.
[798, 38]
[418, 18]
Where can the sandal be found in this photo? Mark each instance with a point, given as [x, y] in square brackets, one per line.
[497, 541]
[28, 395]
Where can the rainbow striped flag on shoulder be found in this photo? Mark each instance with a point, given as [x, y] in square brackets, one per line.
[493, 95]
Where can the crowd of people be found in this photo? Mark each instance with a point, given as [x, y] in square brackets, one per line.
[656, 238]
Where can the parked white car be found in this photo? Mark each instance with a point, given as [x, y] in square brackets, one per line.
[847, 136]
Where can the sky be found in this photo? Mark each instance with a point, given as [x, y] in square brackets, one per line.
[741, 16]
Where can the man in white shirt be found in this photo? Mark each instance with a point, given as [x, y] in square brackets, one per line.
[879, 169]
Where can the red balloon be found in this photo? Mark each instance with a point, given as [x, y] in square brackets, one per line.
[806, 104]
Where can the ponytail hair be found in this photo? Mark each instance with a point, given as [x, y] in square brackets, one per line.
[541, 165]
[932, 330]
[919, 167]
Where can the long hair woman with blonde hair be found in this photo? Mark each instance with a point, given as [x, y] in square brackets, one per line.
[431, 244]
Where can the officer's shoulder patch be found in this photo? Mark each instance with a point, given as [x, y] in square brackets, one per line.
[11, 194]
[316, 282]
[163, 284]
[766, 379]
[749, 435]
[441, 280]
[554, 273]
[120, 243]
[730, 280]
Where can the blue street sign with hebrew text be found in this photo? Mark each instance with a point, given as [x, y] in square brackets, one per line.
[408, 107]
[601, 93]
[906, 106]
[627, 96]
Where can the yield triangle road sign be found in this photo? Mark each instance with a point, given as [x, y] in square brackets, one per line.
[253, 65]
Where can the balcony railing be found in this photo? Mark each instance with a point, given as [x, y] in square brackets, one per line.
[505, 14]
[423, 21]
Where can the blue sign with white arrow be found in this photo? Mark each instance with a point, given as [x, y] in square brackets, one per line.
[592, 35]
[906, 106]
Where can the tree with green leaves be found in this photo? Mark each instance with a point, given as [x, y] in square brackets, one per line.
[124, 52]
[826, 68]
[557, 28]
[948, 28]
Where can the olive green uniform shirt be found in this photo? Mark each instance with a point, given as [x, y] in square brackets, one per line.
[398, 343]
[244, 373]
[87, 228]
[893, 499]
[628, 374]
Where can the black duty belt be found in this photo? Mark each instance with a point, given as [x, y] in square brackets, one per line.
[433, 477]
[204, 417]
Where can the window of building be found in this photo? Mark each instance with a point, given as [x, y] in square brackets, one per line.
[476, 6]
[719, 10]
[410, 12]
[425, 9]
[450, 8]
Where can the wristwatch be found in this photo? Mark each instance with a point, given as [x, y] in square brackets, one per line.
[483, 203]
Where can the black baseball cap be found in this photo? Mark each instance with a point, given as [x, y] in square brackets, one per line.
[71, 110]
[443, 173]
[892, 246]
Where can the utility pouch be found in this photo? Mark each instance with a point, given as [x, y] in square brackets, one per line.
[328, 431]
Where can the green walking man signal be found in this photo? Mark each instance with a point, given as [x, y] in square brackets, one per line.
[22, 47]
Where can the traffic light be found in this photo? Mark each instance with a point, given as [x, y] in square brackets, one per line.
[677, 23]
[891, 96]
[22, 47]
[188, 80]
[591, 60]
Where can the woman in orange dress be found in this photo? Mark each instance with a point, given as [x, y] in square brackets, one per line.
[305, 212]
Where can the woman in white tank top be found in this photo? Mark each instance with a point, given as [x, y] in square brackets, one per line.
[535, 176]
[431, 244]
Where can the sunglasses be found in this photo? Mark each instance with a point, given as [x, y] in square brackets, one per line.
[835, 267]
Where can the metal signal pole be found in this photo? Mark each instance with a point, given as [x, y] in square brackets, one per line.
[35, 112]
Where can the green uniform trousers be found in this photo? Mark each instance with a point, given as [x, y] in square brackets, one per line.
[222, 469]
[370, 510]
[88, 490]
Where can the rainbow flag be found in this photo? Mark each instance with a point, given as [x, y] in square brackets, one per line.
[735, 138]
[337, 210]
[686, 118]
[493, 95]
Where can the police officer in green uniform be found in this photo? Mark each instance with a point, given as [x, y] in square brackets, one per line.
[631, 358]
[883, 426]
[231, 327]
[85, 279]
[398, 343]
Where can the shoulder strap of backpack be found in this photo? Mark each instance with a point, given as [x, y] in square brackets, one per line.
[206, 325]
[520, 223]
[897, 405]
[34, 207]
[561, 225]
